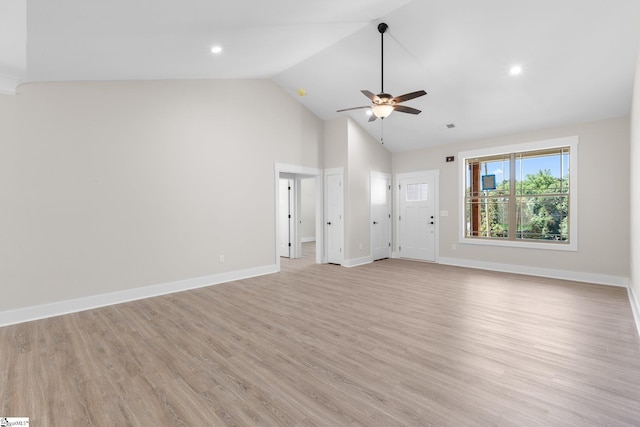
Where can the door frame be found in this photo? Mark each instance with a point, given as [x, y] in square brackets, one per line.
[293, 202]
[298, 173]
[293, 214]
[396, 206]
[372, 175]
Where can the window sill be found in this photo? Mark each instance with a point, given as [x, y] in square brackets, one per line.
[572, 247]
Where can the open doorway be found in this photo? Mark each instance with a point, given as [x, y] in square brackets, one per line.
[298, 213]
[297, 216]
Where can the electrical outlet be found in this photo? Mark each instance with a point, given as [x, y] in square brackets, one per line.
[453, 246]
[221, 258]
[360, 246]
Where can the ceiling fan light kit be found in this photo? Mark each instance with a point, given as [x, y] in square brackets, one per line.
[384, 104]
[382, 110]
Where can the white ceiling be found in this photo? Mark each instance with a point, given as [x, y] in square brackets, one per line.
[578, 56]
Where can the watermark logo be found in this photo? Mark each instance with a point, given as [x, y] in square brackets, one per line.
[13, 421]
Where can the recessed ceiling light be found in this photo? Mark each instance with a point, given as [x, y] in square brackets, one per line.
[216, 49]
[515, 70]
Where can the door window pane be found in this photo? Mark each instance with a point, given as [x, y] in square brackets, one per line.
[417, 192]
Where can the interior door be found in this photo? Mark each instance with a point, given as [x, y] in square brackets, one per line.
[380, 216]
[417, 217]
[334, 220]
[285, 217]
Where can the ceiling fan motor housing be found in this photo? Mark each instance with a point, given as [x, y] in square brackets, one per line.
[384, 98]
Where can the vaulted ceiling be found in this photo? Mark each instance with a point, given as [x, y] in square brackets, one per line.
[577, 56]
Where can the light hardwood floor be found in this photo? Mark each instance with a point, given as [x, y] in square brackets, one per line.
[387, 344]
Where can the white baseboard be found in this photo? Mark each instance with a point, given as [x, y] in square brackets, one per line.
[635, 307]
[307, 239]
[578, 276]
[28, 314]
[356, 262]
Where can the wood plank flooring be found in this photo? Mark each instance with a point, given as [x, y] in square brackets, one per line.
[387, 344]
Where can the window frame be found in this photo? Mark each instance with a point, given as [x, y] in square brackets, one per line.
[572, 143]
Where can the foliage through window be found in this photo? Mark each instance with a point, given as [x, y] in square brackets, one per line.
[519, 196]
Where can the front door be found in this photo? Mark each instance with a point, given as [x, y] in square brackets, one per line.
[417, 217]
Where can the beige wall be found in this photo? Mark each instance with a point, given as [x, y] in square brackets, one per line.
[603, 181]
[335, 143]
[365, 154]
[635, 192]
[110, 186]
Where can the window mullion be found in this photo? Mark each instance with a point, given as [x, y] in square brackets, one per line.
[512, 197]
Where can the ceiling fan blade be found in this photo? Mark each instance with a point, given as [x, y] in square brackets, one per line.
[353, 108]
[405, 109]
[372, 96]
[372, 118]
[408, 96]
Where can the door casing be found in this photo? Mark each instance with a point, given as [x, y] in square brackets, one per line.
[435, 174]
[296, 172]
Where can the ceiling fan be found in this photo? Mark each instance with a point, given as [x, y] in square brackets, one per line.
[384, 104]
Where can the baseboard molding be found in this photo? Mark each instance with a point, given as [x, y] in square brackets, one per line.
[635, 307]
[307, 239]
[356, 262]
[578, 276]
[28, 314]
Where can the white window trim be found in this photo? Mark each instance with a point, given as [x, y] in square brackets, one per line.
[572, 143]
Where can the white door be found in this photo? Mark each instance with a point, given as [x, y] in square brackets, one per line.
[380, 216]
[417, 217]
[284, 212]
[334, 219]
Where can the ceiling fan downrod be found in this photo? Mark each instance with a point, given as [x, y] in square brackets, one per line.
[383, 103]
[382, 27]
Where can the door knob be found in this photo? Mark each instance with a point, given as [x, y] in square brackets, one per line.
[431, 223]
[375, 222]
[329, 223]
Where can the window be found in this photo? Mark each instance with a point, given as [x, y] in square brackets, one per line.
[522, 195]
[417, 192]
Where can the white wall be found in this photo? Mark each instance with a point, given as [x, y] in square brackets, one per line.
[110, 186]
[603, 181]
[365, 154]
[13, 45]
[635, 195]
[349, 146]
